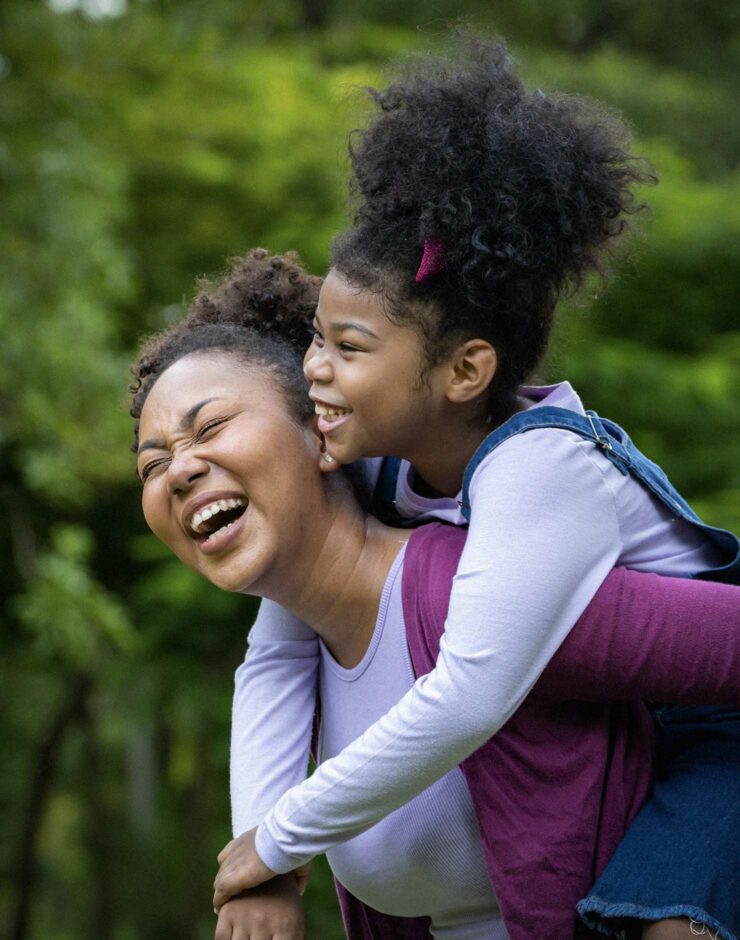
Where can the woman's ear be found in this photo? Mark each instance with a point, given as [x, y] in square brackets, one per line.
[327, 464]
[472, 367]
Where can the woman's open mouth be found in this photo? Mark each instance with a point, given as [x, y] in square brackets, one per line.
[213, 526]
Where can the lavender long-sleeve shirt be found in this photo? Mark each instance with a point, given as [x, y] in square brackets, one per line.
[550, 517]
[416, 861]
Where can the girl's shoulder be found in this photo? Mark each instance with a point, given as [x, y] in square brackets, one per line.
[551, 437]
[537, 457]
[558, 470]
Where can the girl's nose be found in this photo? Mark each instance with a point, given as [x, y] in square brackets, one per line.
[186, 468]
[317, 365]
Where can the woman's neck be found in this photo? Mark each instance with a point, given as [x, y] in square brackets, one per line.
[337, 589]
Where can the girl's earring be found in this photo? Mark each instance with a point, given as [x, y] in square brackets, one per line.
[327, 463]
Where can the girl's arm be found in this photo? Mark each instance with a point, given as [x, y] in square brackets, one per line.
[274, 702]
[272, 717]
[543, 536]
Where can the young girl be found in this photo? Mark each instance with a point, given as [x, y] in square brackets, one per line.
[479, 203]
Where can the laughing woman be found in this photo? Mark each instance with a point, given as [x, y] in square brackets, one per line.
[230, 466]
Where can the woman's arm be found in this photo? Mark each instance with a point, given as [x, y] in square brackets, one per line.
[272, 717]
[647, 637]
[273, 909]
[544, 534]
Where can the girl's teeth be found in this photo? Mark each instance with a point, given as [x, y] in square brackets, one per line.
[326, 412]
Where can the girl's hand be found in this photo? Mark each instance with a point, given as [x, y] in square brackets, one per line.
[240, 868]
[273, 911]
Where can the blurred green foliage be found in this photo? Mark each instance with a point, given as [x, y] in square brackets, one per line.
[144, 142]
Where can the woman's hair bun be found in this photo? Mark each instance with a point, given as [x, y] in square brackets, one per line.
[272, 295]
[261, 311]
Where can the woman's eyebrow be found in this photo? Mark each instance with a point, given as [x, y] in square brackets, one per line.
[152, 444]
[186, 423]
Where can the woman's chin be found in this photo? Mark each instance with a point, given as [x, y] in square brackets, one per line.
[243, 570]
[235, 577]
[230, 557]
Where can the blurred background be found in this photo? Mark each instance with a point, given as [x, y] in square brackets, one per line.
[144, 142]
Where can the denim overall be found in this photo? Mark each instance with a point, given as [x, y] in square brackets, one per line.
[681, 856]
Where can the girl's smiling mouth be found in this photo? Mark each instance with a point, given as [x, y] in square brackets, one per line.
[330, 417]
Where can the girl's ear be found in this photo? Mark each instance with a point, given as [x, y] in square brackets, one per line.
[472, 367]
[327, 464]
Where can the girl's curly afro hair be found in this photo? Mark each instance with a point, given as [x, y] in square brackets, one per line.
[526, 192]
[260, 311]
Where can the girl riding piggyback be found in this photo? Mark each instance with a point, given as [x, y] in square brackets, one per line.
[478, 205]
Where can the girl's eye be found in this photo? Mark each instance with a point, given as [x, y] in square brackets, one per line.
[152, 466]
[317, 339]
[348, 347]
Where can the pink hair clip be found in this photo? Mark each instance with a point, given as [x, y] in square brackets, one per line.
[433, 259]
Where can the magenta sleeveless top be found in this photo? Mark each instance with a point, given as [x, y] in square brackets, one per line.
[556, 788]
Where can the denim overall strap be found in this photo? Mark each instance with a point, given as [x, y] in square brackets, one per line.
[384, 495]
[617, 447]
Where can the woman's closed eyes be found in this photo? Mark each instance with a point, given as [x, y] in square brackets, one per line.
[201, 434]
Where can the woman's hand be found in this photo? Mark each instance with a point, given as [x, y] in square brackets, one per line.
[273, 911]
[242, 868]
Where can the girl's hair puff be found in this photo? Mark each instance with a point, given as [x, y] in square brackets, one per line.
[526, 191]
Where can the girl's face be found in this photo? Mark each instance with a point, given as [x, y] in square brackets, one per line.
[365, 374]
[225, 470]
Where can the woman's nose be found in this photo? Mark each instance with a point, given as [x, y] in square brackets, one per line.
[317, 365]
[185, 469]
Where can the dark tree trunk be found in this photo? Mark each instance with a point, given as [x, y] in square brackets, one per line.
[195, 820]
[315, 13]
[38, 798]
[99, 830]
[22, 535]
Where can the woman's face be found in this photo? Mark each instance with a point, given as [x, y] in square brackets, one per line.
[225, 470]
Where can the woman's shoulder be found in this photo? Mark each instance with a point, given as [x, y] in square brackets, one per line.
[430, 562]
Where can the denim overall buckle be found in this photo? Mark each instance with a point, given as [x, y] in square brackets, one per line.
[602, 439]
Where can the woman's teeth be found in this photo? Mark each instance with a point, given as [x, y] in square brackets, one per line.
[219, 531]
[220, 505]
[326, 412]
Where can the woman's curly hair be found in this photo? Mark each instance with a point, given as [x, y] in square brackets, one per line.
[526, 191]
[260, 311]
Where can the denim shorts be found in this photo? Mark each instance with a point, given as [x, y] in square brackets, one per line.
[681, 856]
